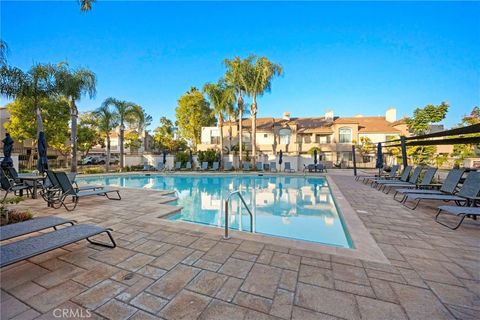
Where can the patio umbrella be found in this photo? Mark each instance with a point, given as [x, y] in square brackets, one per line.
[42, 164]
[164, 157]
[7, 151]
[379, 163]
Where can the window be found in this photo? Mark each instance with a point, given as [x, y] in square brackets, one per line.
[265, 135]
[284, 136]
[322, 139]
[214, 140]
[345, 135]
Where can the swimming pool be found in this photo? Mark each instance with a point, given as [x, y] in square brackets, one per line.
[294, 207]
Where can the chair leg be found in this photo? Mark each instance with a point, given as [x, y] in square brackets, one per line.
[113, 245]
[414, 207]
[446, 225]
[110, 198]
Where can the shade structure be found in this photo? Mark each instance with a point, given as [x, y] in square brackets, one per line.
[7, 151]
[280, 157]
[379, 163]
[315, 155]
[42, 164]
[164, 157]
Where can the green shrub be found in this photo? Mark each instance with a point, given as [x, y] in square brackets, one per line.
[209, 156]
[183, 157]
[94, 170]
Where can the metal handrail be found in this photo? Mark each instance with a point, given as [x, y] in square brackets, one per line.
[226, 212]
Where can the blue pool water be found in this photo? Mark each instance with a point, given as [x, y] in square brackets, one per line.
[286, 206]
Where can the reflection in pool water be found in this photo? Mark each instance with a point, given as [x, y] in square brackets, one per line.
[287, 206]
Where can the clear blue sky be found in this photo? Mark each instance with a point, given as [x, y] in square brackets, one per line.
[350, 57]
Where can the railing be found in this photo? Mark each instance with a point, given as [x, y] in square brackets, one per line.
[226, 212]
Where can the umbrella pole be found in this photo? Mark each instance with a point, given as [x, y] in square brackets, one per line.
[354, 161]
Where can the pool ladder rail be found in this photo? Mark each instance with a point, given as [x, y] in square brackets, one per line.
[236, 192]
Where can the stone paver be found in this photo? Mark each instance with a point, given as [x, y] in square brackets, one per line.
[171, 271]
[186, 305]
[262, 280]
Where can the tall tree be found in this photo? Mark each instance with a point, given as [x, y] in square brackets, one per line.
[88, 135]
[222, 98]
[419, 124]
[106, 120]
[259, 80]
[3, 52]
[125, 110]
[236, 76]
[73, 84]
[462, 151]
[86, 5]
[139, 120]
[38, 83]
[21, 124]
[164, 137]
[193, 112]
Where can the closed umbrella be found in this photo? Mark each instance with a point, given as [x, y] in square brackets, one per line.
[379, 163]
[190, 158]
[164, 157]
[7, 151]
[280, 160]
[42, 164]
[315, 161]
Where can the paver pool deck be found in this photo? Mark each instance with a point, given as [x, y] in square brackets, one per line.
[169, 271]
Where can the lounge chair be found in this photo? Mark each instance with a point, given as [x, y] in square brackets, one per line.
[246, 166]
[52, 191]
[188, 166]
[322, 167]
[403, 178]
[259, 166]
[228, 166]
[448, 186]
[462, 212]
[178, 166]
[273, 167]
[288, 167]
[467, 193]
[30, 226]
[160, 166]
[412, 181]
[384, 176]
[371, 175]
[204, 166]
[26, 248]
[309, 168]
[215, 166]
[10, 186]
[69, 190]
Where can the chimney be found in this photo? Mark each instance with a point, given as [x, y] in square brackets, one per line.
[391, 115]
[286, 116]
[329, 115]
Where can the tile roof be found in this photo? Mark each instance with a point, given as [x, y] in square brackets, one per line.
[369, 124]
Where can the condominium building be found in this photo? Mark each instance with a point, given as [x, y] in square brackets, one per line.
[332, 135]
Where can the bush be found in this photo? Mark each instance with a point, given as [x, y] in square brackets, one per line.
[132, 168]
[94, 170]
[209, 156]
[183, 157]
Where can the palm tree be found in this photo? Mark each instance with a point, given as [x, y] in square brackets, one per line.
[124, 111]
[222, 98]
[259, 80]
[38, 83]
[86, 5]
[106, 120]
[73, 84]
[236, 76]
[139, 120]
[3, 52]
